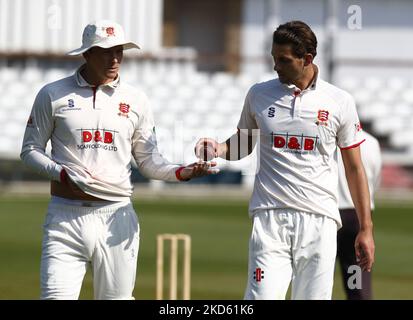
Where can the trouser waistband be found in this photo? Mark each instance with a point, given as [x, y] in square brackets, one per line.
[82, 207]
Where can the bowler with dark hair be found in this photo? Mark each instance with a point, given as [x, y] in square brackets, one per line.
[301, 120]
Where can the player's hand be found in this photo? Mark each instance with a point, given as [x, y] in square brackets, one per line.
[364, 246]
[207, 149]
[198, 169]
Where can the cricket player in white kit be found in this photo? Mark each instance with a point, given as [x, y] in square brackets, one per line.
[371, 157]
[95, 123]
[301, 119]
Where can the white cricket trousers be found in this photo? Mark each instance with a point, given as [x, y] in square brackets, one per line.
[106, 237]
[286, 246]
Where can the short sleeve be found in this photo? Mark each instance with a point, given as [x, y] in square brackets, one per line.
[349, 132]
[247, 119]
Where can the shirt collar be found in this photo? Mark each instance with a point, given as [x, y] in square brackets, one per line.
[83, 83]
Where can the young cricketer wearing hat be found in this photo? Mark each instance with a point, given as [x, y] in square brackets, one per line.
[301, 119]
[95, 123]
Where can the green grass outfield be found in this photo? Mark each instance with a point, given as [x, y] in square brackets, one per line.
[220, 231]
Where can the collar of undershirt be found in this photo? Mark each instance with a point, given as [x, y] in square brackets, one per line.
[83, 83]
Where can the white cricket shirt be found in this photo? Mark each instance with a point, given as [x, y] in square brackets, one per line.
[371, 157]
[299, 134]
[94, 132]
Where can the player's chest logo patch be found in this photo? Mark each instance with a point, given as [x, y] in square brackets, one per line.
[297, 143]
[322, 117]
[70, 106]
[271, 112]
[124, 109]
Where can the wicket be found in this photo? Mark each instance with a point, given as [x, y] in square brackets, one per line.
[173, 278]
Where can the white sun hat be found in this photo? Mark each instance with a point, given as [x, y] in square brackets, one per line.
[104, 34]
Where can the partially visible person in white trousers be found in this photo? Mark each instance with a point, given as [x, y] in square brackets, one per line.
[371, 157]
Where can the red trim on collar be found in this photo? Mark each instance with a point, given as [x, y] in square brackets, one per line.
[94, 96]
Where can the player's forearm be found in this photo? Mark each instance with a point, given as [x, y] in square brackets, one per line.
[154, 166]
[41, 163]
[359, 190]
[238, 146]
[150, 162]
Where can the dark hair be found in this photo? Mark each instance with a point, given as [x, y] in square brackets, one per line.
[299, 35]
